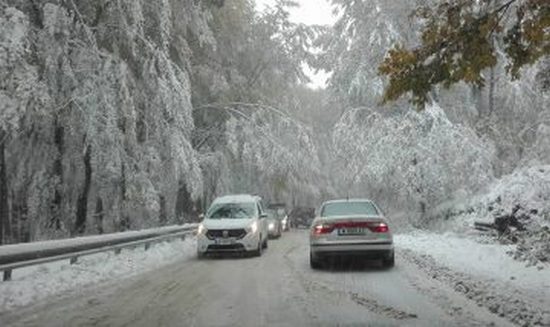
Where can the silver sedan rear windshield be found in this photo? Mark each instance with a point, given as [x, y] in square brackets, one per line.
[349, 209]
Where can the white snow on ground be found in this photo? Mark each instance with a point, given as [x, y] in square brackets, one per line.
[35, 283]
[488, 261]
[483, 273]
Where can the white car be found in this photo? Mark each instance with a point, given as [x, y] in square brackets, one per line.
[274, 225]
[233, 224]
[350, 227]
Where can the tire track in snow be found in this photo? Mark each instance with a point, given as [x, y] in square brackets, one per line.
[367, 302]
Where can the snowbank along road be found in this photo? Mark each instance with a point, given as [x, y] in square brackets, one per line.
[279, 289]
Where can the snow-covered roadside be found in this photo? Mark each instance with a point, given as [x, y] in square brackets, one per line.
[35, 283]
[515, 209]
[488, 261]
[484, 273]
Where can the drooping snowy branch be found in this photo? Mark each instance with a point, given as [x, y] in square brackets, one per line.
[413, 161]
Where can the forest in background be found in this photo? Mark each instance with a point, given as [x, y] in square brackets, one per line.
[127, 114]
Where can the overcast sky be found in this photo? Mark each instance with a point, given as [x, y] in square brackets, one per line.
[310, 12]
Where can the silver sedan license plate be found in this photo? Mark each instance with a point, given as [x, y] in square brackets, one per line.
[352, 231]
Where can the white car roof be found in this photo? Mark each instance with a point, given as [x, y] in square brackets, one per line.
[237, 198]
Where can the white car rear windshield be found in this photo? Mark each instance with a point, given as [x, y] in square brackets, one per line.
[232, 211]
[348, 209]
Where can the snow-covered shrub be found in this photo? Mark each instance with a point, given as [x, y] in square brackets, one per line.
[533, 246]
[526, 190]
[517, 205]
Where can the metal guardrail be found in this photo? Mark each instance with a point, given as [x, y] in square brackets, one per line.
[73, 248]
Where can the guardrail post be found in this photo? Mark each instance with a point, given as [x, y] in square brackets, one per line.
[147, 246]
[7, 275]
[117, 251]
[73, 260]
[183, 237]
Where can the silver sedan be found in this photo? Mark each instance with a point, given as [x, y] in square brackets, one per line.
[350, 227]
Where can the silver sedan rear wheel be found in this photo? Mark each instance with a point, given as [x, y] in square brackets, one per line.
[390, 261]
[314, 262]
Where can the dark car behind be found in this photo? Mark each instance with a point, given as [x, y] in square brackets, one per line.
[301, 217]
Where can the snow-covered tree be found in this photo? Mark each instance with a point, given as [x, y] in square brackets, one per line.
[354, 47]
[96, 112]
[246, 144]
[265, 152]
[409, 162]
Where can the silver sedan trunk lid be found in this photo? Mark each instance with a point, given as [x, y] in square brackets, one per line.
[354, 228]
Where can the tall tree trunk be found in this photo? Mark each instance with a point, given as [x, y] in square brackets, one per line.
[59, 135]
[19, 217]
[186, 209]
[492, 77]
[99, 215]
[124, 223]
[478, 101]
[82, 204]
[492, 82]
[4, 209]
[163, 217]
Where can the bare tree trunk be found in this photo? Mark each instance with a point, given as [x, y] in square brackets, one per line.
[82, 204]
[59, 135]
[163, 217]
[478, 101]
[19, 217]
[124, 223]
[99, 215]
[188, 210]
[180, 202]
[4, 209]
[492, 82]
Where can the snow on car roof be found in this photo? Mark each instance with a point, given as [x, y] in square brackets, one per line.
[347, 200]
[237, 198]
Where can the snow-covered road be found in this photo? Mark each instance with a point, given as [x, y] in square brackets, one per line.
[279, 289]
